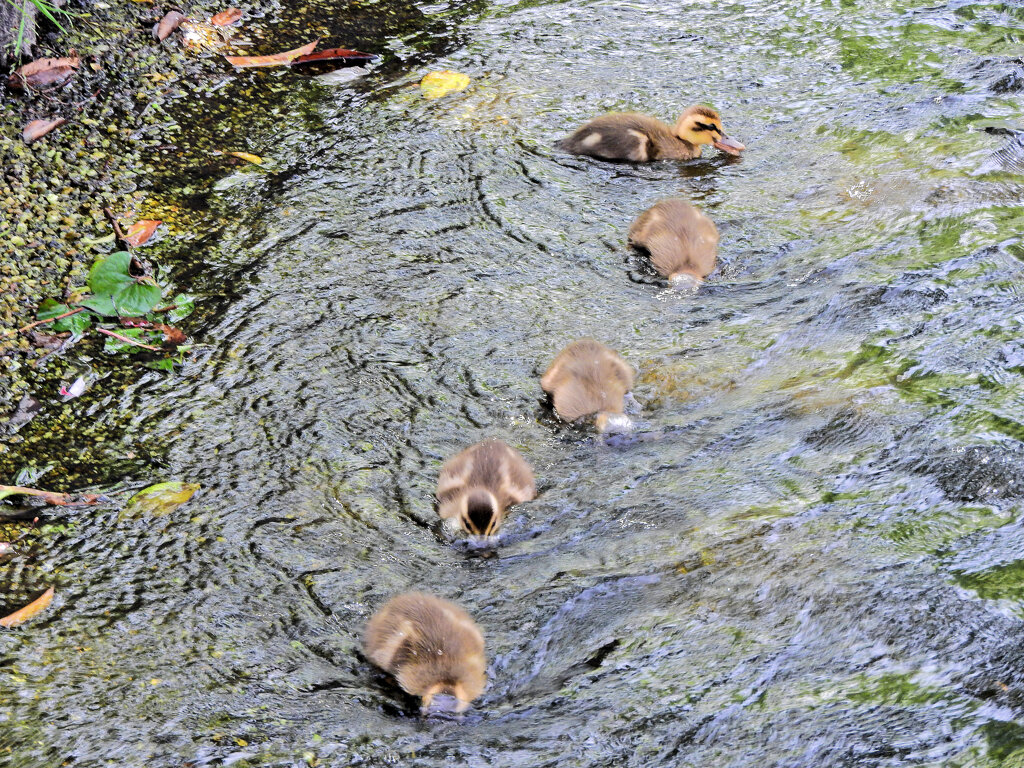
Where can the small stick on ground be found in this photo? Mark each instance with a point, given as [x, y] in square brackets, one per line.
[127, 340]
[122, 241]
[30, 326]
[113, 222]
[50, 497]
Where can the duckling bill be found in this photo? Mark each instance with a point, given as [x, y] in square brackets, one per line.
[628, 136]
[478, 485]
[587, 378]
[430, 645]
[681, 241]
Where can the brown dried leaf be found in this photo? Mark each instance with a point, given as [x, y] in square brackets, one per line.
[141, 231]
[167, 25]
[273, 60]
[22, 615]
[39, 128]
[172, 335]
[335, 54]
[225, 17]
[49, 341]
[43, 72]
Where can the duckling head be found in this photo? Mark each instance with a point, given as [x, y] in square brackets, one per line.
[608, 423]
[684, 282]
[702, 125]
[481, 516]
[462, 680]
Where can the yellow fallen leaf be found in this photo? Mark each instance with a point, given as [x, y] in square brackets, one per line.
[256, 159]
[437, 84]
[24, 614]
[198, 36]
[159, 499]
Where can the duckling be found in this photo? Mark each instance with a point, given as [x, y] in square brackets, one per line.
[641, 139]
[682, 242]
[476, 486]
[589, 378]
[430, 645]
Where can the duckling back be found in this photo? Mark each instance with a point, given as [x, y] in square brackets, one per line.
[587, 378]
[625, 136]
[430, 645]
[679, 238]
[477, 485]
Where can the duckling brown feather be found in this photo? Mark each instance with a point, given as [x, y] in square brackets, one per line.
[429, 645]
[491, 466]
[587, 378]
[630, 137]
[678, 237]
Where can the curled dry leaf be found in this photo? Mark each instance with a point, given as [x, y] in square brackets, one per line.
[170, 22]
[335, 54]
[437, 84]
[44, 72]
[141, 231]
[34, 608]
[273, 60]
[172, 335]
[225, 17]
[39, 128]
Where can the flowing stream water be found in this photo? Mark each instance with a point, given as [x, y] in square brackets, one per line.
[813, 556]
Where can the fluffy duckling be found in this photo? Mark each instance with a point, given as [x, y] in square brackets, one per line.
[589, 378]
[681, 241]
[430, 645]
[640, 139]
[476, 486]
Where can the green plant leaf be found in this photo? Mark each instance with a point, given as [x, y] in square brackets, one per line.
[77, 324]
[168, 363]
[184, 305]
[165, 364]
[51, 308]
[104, 305]
[143, 335]
[137, 298]
[110, 275]
[159, 499]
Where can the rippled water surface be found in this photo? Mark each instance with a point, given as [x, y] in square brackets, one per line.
[813, 557]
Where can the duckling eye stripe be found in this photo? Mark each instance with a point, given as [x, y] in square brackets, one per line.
[706, 127]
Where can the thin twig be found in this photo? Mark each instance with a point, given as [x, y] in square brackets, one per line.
[60, 499]
[30, 326]
[79, 105]
[113, 222]
[127, 340]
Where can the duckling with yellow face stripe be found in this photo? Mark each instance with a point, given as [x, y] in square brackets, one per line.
[430, 645]
[638, 138]
[478, 485]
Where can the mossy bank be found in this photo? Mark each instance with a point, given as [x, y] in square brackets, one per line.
[149, 128]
